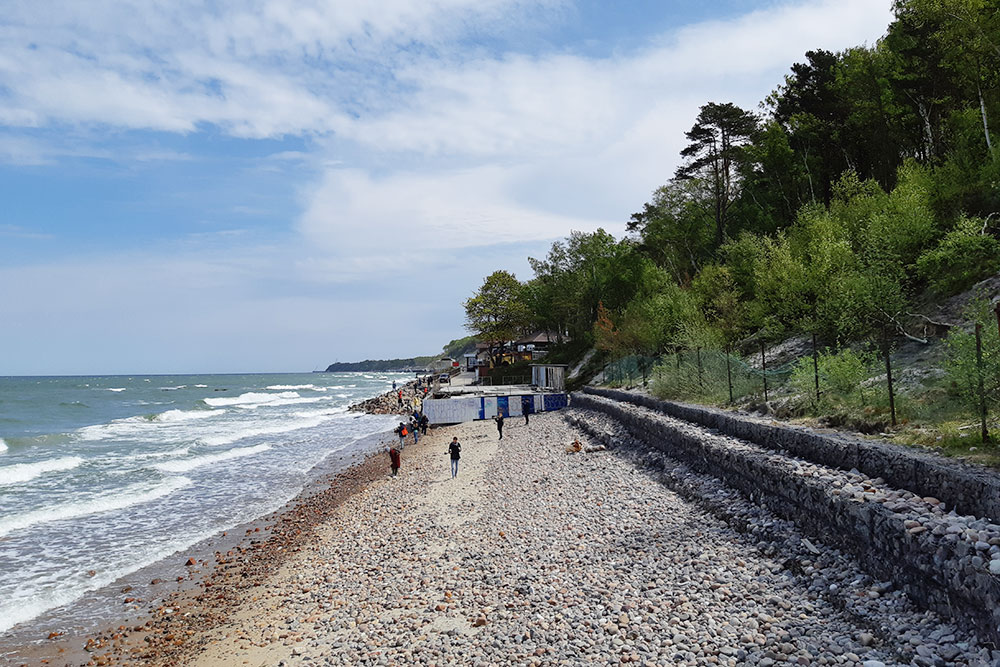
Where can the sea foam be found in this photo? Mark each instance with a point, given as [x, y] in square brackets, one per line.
[186, 415]
[199, 461]
[3, 446]
[293, 387]
[25, 472]
[249, 397]
[105, 502]
[304, 421]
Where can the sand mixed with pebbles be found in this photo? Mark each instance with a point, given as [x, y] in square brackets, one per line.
[534, 556]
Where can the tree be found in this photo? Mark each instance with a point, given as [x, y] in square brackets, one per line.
[717, 138]
[497, 313]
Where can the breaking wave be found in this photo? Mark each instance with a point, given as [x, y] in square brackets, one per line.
[25, 472]
[105, 502]
[199, 461]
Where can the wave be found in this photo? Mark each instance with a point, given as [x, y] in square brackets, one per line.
[249, 397]
[282, 401]
[3, 445]
[201, 386]
[180, 386]
[199, 461]
[286, 387]
[173, 416]
[106, 502]
[25, 472]
[115, 389]
[181, 451]
[307, 420]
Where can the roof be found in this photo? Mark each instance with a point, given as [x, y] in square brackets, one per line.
[540, 337]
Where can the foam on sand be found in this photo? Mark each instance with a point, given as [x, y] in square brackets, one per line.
[25, 472]
[190, 464]
[105, 502]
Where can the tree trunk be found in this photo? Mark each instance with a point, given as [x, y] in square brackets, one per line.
[986, 125]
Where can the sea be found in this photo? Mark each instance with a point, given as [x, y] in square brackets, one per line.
[103, 476]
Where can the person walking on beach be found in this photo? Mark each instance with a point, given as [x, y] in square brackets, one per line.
[401, 432]
[416, 431]
[499, 420]
[455, 451]
[394, 385]
[399, 397]
[527, 405]
[394, 460]
[424, 421]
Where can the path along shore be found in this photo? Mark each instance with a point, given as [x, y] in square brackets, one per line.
[534, 556]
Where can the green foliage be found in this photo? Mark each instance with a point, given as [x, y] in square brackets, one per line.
[973, 384]
[963, 257]
[497, 312]
[841, 374]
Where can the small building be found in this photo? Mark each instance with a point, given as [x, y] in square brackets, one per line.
[549, 376]
[471, 361]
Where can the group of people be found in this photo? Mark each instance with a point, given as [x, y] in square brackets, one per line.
[418, 424]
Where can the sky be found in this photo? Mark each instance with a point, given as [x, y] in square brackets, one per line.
[275, 185]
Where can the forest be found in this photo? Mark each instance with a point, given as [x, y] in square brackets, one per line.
[863, 188]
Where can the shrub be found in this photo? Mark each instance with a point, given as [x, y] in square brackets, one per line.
[840, 374]
[962, 258]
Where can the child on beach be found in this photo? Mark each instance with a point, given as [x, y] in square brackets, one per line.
[455, 451]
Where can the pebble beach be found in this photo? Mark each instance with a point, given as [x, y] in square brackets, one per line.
[533, 555]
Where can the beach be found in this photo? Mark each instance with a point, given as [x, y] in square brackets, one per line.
[537, 553]
[533, 555]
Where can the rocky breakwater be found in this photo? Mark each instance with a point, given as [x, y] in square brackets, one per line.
[943, 560]
[388, 403]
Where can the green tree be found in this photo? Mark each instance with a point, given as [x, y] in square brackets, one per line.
[497, 313]
[713, 154]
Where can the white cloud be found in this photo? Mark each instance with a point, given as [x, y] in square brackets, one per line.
[431, 159]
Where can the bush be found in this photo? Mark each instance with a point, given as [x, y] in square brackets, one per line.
[840, 374]
[962, 258]
[962, 366]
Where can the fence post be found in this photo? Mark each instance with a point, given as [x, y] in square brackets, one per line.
[816, 369]
[763, 365]
[888, 376]
[981, 388]
[729, 376]
[701, 381]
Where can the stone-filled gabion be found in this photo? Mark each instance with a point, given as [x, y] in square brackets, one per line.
[894, 521]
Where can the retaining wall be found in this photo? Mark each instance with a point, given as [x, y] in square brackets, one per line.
[937, 572]
[969, 489]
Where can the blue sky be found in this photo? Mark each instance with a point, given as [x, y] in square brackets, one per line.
[276, 185]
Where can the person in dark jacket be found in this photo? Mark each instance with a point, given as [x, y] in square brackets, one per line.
[455, 451]
[394, 460]
[499, 420]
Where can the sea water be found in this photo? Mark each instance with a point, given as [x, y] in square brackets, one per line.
[102, 476]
